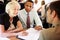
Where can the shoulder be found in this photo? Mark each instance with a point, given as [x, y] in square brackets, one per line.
[33, 11]
[49, 30]
[3, 18]
[47, 33]
[4, 15]
[21, 11]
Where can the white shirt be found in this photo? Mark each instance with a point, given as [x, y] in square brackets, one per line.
[38, 5]
[22, 14]
[43, 14]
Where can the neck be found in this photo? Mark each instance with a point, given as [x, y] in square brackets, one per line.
[57, 27]
[28, 10]
[56, 22]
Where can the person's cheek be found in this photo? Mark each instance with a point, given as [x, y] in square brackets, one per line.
[48, 17]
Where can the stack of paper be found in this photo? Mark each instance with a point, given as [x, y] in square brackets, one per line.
[2, 38]
[32, 34]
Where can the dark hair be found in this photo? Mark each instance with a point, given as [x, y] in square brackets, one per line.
[55, 6]
[43, 2]
[29, 1]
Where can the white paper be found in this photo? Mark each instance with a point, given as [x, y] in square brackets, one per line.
[3, 38]
[32, 34]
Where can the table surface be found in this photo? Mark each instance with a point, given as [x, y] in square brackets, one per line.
[13, 38]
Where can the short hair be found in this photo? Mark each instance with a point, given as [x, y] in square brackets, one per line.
[29, 1]
[43, 3]
[55, 6]
[11, 5]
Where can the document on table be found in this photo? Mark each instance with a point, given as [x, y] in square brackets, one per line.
[3, 38]
[32, 34]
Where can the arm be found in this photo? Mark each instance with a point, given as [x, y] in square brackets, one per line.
[37, 21]
[38, 28]
[39, 10]
[3, 33]
[41, 36]
[18, 28]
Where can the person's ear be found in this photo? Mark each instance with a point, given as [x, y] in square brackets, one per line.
[54, 14]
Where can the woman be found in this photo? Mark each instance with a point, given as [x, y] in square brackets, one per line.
[9, 22]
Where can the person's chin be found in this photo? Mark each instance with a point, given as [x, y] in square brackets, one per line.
[13, 15]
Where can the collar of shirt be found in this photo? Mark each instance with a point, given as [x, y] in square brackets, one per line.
[26, 12]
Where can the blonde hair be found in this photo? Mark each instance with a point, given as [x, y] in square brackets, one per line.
[11, 5]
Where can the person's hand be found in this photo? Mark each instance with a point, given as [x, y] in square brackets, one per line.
[38, 28]
[24, 33]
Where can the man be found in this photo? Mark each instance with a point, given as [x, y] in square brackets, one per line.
[33, 15]
[53, 16]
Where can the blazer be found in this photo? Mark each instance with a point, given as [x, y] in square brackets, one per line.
[50, 34]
